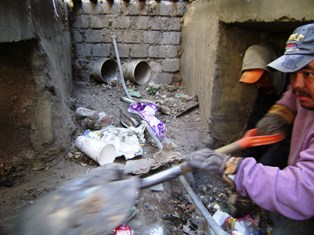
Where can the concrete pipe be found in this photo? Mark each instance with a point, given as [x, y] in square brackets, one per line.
[137, 71]
[105, 70]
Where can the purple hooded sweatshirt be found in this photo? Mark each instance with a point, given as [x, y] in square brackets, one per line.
[290, 191]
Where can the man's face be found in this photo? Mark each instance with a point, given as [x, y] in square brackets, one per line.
[302, 83]
[265, 84]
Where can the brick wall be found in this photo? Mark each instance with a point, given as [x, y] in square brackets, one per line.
[145, 30]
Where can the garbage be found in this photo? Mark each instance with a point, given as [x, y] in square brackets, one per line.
[123, 229]
[103, 120]
[238, 226]
[133, 212]
[161, 158]
[155, 229]
[99, 151]
[188, 106]
[93, 119]
[126, 120]
[157, 188]
[127, 141]
[195, 226]
[134, 92]
[82, 112]
[147, 112]
[161, 108]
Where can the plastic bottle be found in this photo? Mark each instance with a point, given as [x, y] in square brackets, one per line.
[123, 229]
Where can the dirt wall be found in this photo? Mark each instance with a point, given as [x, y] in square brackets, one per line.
[35, 80]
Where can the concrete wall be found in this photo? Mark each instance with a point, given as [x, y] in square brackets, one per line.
[215, 35]
[35, 80]
[145, 30]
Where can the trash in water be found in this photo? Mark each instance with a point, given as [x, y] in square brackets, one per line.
[147, 112]
[127, 141]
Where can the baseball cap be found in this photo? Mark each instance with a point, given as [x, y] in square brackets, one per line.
[299, 50]
[251, 76]
[255, 62]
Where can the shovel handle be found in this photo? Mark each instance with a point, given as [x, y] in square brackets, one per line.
[250, 139]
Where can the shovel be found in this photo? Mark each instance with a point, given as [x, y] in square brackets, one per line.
[98, 202]
[250, 139]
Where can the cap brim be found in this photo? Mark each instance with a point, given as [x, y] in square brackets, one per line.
[290, 63]
[251, 76]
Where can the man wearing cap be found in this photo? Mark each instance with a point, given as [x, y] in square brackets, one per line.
[270, 85]
[288, 193]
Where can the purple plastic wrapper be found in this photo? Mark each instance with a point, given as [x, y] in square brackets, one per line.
[147, 112]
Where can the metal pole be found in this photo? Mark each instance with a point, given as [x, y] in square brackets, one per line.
[213, 226]
[119, 65]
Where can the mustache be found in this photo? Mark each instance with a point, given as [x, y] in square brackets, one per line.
[300, 92]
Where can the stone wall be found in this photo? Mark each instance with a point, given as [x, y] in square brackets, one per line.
[145, 30]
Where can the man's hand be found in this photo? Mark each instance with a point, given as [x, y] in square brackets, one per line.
[271, 124]
[277, 120]
[206, 159]
[214, 162]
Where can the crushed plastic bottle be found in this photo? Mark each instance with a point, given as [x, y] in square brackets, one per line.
[82, 112]
[238, 226]
[123, 229]
[93, 119]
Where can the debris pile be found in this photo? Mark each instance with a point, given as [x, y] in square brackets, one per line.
[167, 102]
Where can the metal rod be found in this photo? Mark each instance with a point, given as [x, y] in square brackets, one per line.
[119, 65]
[153, 135]
[200, 206]
[160, 177]
[174, 172]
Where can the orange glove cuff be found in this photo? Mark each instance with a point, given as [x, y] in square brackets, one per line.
[285, 113]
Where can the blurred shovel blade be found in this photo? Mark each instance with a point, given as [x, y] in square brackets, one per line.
[91, 204]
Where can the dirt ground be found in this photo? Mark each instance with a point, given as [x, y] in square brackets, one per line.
[166, 211]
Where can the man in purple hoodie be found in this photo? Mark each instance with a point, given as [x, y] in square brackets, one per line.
[288, 193]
